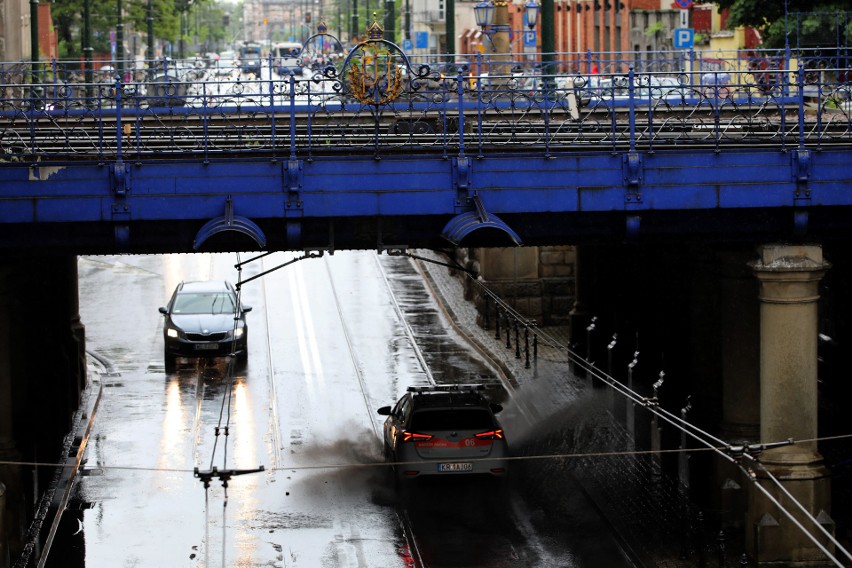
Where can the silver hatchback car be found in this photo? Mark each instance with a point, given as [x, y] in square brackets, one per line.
[445, 430]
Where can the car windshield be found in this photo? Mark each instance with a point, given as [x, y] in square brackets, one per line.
[209, 303]
[452, 419]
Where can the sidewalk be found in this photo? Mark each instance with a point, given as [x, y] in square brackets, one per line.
[651, 513]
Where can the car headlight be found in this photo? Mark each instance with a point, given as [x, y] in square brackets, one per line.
[172, 332]
[239, 332]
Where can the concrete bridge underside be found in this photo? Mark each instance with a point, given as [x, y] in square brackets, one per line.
[733, 327]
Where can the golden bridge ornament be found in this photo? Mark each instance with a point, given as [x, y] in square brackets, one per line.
[375, 70]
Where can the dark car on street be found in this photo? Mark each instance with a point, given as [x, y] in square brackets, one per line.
[445, 430]
[204, 319]
[166, 89]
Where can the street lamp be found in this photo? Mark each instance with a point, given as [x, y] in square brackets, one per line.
[493, 17]
[531, 9]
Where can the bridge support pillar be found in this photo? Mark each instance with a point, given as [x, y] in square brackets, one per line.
[788, 277]
[740, 337]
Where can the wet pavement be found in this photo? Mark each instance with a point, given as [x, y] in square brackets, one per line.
[652, 514]
[328, 347]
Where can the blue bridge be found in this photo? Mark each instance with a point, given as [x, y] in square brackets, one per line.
[380, 150]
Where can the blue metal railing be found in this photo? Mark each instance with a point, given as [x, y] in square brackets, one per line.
[576, 101]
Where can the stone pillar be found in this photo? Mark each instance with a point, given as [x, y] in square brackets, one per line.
[740, 340]
[789, 277]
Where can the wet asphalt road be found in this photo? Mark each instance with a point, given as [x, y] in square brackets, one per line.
[330, 340]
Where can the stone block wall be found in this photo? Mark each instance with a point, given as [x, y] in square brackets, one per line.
[538, 282]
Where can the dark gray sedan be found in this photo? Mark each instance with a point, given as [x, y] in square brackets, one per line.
[204, 319]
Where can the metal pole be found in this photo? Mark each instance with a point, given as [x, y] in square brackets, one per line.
[149, 54]
[35, 91]
[390, 20]
[119, 41]
[355, 29]
[182, 33]
[407, 19]
[87, 50]
[450, 17]
[548, 41]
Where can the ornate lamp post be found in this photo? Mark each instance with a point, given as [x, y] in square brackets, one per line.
[493, 17]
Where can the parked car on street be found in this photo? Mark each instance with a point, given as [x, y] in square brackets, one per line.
[166, 89]
[204, 319]
[445, 430]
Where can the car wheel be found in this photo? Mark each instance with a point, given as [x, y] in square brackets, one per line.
[170, 363]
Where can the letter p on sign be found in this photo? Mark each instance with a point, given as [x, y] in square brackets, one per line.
[684, 38]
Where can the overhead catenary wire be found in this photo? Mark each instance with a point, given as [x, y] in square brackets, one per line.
[530, 457]
[795, 501]
[711, 442]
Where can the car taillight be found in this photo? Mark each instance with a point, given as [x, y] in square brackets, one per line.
[415, 437]
[491, 435]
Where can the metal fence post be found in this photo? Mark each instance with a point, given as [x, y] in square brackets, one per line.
[496, 320]
[723, 555]
[508, 331]
[517, 341]
[656, 443]
[683, 458]
[630, 414]
[609, 349]
[589, 329]
[527, 347]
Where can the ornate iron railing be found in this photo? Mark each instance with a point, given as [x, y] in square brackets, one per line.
[356, 104]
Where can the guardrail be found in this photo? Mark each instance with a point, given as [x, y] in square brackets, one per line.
[489, 105]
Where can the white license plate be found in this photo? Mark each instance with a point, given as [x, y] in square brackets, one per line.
[206, 346]
[456, 466]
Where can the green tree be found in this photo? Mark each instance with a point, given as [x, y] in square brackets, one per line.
[808, 23]
[68, 21]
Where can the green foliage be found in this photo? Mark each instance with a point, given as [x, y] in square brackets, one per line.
[68, 21]
[809, 23]
[654, 28]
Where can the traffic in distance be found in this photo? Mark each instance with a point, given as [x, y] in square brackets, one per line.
[320, 78]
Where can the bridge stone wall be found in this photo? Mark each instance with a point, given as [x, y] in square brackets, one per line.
[538, 282]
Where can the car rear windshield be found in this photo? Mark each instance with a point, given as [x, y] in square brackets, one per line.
[211, 303]
[452, 419]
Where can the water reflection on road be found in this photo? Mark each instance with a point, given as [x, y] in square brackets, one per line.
[330, 340]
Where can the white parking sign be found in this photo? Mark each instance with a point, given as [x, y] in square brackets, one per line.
[684, 38]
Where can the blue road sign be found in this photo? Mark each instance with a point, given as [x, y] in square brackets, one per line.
[684, 38]
[421, 40]
[406, 44]
[684, 4]
[529, 38]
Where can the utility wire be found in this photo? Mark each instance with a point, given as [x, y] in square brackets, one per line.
[531, 457]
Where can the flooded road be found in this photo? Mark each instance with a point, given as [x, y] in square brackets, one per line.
[171, 473]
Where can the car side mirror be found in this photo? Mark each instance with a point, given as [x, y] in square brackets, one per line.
[246, 309]
[163, 310]
[384, 410]
[495, 408]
